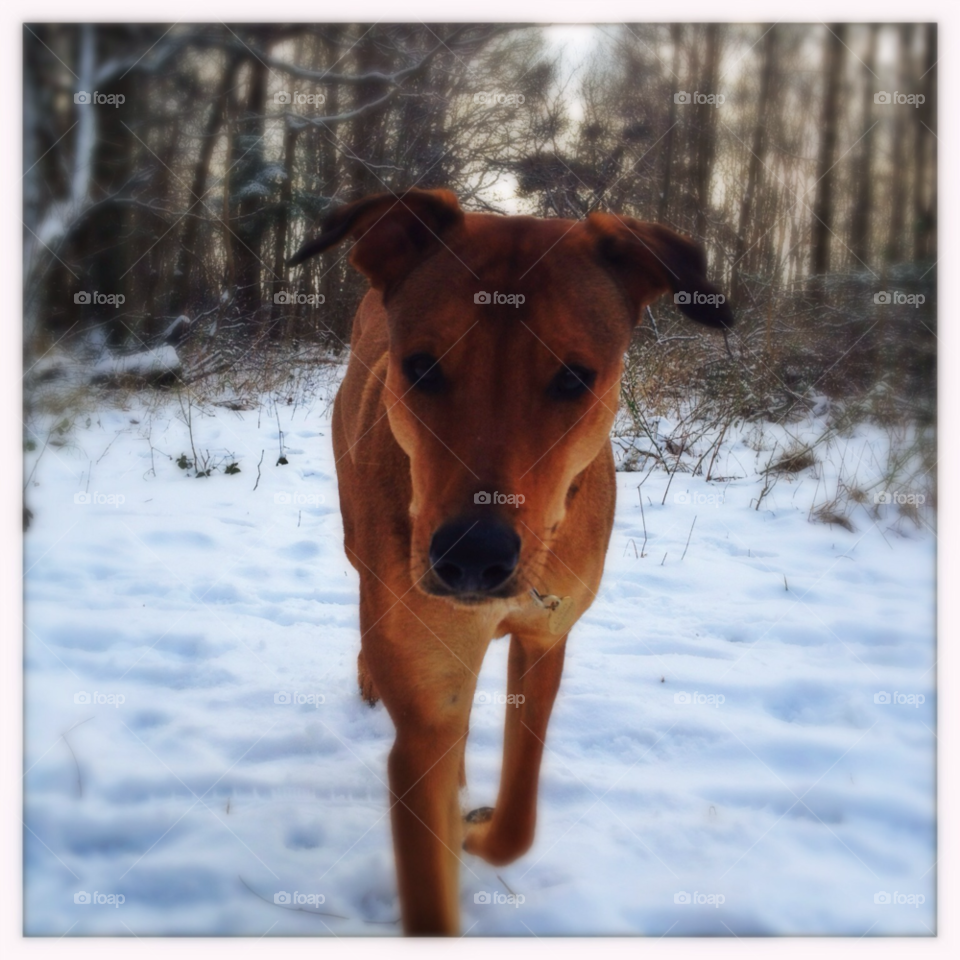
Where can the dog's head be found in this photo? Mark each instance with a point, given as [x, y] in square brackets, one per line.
[507, 336]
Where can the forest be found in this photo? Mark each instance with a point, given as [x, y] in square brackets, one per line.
[171, 172]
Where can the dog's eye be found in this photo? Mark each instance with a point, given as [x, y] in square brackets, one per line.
[571, 382]
[423, 372]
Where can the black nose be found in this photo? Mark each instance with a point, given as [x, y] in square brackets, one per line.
[474, 556]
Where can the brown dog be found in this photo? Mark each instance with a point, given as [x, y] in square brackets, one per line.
[477, 484]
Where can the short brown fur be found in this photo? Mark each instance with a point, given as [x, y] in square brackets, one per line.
[408, 462]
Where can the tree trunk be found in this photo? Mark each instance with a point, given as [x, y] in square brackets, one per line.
[924, 189]
[246, 231]
[182, 289]
[706, 128]
[364, 128]
[676, 38]
[900, 174]
[331, 179]
[755, 165]
[105, 232]
[863, 204]
[823, 212]
[151, 241]
[280, 232]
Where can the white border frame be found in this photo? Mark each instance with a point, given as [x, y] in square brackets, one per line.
[15, 13]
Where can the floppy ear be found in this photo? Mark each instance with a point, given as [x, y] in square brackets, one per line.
[650, 260]
[394, 232]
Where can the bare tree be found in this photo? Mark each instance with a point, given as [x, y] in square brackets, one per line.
[823, 204]
[863, 202]
[706, 127]
[755, 165]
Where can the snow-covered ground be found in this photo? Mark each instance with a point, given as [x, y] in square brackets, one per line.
[743, 742]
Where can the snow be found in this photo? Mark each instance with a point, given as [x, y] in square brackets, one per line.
[717, 761]
[146, 365]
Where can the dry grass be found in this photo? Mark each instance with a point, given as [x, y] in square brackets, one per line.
[794, 461]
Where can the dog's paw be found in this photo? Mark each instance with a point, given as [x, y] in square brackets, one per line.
[498, 847]
[476, 825]
[480, 815]
[367, 688]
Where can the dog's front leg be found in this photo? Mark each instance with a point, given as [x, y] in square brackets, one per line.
[424, 669]
[533, 677]
[427, 833]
